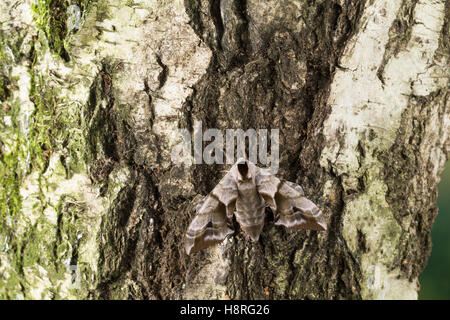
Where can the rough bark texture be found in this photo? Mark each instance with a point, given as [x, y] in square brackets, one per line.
[358, 89]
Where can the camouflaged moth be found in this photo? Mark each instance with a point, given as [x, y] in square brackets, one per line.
[244, 192]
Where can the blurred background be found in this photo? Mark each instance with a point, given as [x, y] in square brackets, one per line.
[435, 280]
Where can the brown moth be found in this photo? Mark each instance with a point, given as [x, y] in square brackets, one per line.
[245, 191]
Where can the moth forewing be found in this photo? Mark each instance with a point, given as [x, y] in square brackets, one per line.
[208, 227]
[296, 211]
[226, 190]
[267, 185]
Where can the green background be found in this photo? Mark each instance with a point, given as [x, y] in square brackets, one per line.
[435, 280]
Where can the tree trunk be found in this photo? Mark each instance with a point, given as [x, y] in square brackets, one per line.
[93, 207]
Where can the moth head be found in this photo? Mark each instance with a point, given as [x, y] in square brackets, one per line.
[243, 170]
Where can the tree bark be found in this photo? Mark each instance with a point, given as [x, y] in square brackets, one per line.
[93, 207]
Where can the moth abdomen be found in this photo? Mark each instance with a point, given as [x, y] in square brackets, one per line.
[252, 226]
[251, 220]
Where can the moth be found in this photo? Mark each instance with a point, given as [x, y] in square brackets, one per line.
[244, 192]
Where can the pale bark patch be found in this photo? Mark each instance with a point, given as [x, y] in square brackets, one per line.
[366, 114]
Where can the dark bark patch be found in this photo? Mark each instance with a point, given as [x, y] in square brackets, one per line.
[278, 77]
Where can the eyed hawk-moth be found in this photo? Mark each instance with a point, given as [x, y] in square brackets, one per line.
[244, 192]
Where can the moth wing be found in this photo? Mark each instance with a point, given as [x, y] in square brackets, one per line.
[226, 192]
[267, 185]
[288, 203]
[295, 211]
[212, 223]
